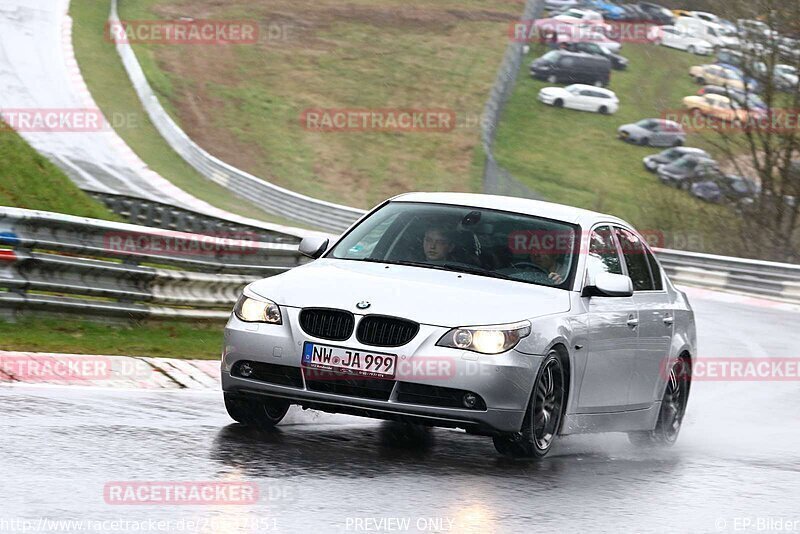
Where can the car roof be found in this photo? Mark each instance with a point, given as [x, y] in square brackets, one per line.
[539, 208]
[593, 88]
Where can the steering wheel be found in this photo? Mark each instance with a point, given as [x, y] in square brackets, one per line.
[530, 265]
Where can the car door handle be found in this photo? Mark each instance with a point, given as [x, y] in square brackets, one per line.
[668, 320]
[633, 322]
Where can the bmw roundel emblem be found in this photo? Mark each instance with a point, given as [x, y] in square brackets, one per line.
[363, 305]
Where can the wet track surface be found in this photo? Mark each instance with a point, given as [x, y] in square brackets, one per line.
[738, 460]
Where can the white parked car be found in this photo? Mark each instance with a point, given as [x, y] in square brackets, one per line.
[719, 36]
[581, 97]
[583, 17]
[672, 37]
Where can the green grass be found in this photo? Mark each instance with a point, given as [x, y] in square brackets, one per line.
[29, 180]
[243, 103]
[172, 339]
[575, 158]
[112, 91]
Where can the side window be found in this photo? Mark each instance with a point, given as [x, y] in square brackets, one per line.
[603, 255]
[636, 259]
[658, 283]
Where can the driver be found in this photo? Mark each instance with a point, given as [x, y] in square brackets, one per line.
[438, 244]
[551, 262]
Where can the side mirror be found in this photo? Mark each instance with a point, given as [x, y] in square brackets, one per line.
[313, 247]
[610, 285]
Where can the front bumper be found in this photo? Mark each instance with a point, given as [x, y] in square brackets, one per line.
[502, 382]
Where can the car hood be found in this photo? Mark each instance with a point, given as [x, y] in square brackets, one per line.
[428, 296]
[555, 91]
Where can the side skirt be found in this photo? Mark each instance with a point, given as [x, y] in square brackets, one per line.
[586, 423]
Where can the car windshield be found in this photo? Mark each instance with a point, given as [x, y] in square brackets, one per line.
[551, 56]
[574, 89]
[647, 124]
[471, 240]
[686, 162]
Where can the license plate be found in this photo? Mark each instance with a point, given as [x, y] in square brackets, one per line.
[349, 361]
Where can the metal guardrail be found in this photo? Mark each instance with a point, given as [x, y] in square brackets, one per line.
[90, 267]
[750, 277]
[136, 210]
[62, 263]
[270, 197]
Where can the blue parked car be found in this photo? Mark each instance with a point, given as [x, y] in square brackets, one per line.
[608, 9]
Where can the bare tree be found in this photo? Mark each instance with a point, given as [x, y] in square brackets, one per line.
[764, 143]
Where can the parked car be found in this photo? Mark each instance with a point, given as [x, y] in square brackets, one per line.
[786, 77]
[617, 61]
[726, 188]
[740, 98]
[581, 97]
[716, 34]
[586, 34]
[657, 13]
[722, 76]
[718, 107]
[673, 38]
[609, 10]
[387, 323]
[560, 4]
[653, 132]
[687, 170]
[714, 19]
[653, 162]
[583, 17]
[560, 66]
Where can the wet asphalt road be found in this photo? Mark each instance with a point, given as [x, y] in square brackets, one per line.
[736, 467]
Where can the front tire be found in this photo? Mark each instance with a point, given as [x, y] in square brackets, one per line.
[552, 79]
[543, 416]
[673, 408]
[558, 103]
[691, 49]
[262, 413]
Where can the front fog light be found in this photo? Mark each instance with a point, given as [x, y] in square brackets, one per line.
[486, 339]
[245, 370]
[469, 400]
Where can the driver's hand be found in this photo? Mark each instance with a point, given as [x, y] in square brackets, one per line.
[555, 277]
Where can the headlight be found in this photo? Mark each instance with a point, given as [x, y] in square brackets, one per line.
[486, 339]
[257, 311]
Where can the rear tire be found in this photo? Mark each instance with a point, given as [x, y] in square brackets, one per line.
[262, 412]
[543, 417]
[673, 408]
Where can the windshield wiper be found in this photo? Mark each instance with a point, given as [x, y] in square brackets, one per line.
[452, 267]
[458, 267]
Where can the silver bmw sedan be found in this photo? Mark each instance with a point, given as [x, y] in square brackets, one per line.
[511, 318]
